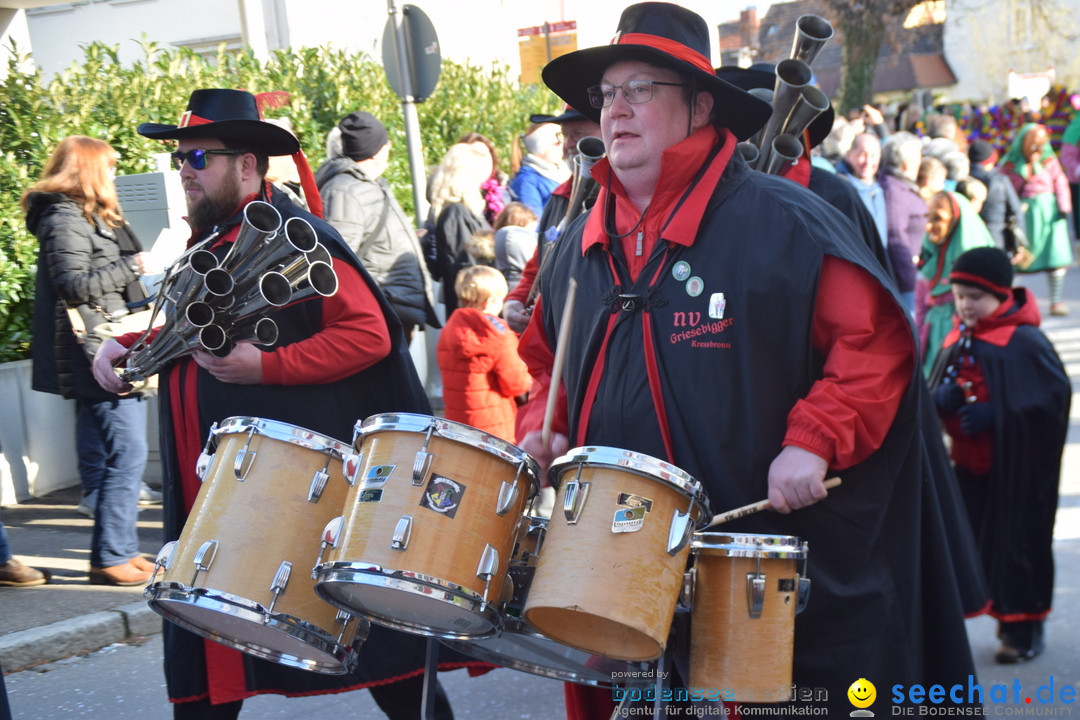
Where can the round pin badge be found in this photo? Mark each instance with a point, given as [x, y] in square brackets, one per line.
[695, 286]
[680, 270]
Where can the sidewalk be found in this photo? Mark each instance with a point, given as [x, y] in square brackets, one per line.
[69, 616]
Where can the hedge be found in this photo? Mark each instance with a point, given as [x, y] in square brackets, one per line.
[102, 98]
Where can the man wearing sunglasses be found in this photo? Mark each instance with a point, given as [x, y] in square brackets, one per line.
[733, 324]
[337, 360]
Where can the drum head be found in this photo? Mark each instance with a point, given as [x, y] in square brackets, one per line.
[245, 626]
[520, 648]
[404, 601]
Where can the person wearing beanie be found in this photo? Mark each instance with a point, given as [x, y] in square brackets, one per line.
[360, 205]
[1003, 396]
[1040, 181]
[1001, 210]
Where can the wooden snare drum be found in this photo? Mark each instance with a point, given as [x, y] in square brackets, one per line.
[747, 590]
[240, 573]
[613, 561]
[429, 526]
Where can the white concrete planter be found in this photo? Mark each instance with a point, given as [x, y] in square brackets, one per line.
[37, 438]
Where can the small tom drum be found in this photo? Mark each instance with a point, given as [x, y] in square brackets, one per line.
[612, 565]
[747, 590]
[240, 573]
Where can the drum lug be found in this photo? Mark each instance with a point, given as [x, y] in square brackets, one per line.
[350, 466]
[363, 628]
[488, 567]
[318, 484]
[330, 535]
[207, 454]
[164, 558]
[421, 466]
[577, 492]
[688, 585]
[402, 532]
[508, 495]
[281, 581]
[755, 593]
[803, 596]
[204, 558]
[245, 458]
[682, 528]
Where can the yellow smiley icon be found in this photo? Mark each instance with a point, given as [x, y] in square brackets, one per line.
[862, 693]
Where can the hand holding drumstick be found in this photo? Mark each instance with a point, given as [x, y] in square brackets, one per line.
[756, 507]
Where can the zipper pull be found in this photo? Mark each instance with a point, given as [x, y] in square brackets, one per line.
[640, 234]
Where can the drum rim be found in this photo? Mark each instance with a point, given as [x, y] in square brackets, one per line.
[345, 572]
[161, 595]
[450, 430]
[637, 463]
[283, 431]
[744, 545]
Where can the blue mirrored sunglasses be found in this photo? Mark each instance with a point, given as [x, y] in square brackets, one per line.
[197, 158]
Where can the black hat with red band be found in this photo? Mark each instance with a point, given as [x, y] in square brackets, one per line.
[661, 34]
[226, 115]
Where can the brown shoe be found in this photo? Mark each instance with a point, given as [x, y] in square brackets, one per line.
[14, 574]
[122, 575]
[142, 563]
[1059, 309]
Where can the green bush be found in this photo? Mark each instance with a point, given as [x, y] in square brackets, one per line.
[102, 98]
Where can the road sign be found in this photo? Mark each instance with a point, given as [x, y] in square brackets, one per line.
[421, 55]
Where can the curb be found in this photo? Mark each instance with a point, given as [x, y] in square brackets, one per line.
[24, 648]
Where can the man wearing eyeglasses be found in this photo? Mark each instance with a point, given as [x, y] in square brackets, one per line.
[337, 359]
[733, 324]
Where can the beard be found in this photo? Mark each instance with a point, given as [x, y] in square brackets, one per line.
[217, 207]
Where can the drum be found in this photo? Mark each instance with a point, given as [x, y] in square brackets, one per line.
[519, 647]
[240, 573]
[429, 525]
[746, 592]
[612, 564]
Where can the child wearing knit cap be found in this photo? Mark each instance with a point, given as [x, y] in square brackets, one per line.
[1003, 396]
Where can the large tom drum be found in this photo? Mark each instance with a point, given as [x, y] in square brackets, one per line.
[612, 565]
[240, 573]
[429, 526]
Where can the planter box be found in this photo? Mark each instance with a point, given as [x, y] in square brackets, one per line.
[37, 438]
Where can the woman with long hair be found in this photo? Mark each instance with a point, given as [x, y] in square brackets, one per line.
[89, 264]
[457, 204]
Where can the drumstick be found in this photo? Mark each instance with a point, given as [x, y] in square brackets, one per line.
[756, 507]
[560, 358]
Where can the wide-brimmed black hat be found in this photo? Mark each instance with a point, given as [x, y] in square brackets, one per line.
[662, 34]
[226, 115]
[569, 115]
[763, 75]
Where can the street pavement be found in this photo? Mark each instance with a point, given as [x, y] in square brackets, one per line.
[70, 617]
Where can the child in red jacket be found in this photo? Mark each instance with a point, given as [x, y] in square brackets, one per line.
[477, 355]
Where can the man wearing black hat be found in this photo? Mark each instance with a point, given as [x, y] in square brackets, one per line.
[337, 359]
[723, 322]
[1002, 210]
[358, 202]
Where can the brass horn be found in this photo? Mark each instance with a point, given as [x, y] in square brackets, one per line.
[811, 34]
[785, 150]
[590, 150]
[261, 222]
[791, 77]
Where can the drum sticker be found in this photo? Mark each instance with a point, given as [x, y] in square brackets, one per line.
[442, 495]
[377, 475]
[628, 520]
[633, 501]
[370, 495]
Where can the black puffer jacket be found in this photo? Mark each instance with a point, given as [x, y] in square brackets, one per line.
[82, 266]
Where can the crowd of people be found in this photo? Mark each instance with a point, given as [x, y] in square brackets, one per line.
[719, 319]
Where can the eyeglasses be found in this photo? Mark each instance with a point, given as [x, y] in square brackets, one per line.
[635, 92]
[197, 158]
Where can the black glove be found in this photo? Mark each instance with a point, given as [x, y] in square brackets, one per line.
[949, 397]
[976, 418]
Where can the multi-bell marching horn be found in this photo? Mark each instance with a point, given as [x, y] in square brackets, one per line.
[590, 150]
[213, 306]
[796, 103]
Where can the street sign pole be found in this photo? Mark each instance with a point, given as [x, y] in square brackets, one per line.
[408, 106]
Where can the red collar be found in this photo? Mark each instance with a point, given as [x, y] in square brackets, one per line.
[680, 166]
